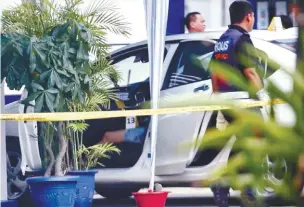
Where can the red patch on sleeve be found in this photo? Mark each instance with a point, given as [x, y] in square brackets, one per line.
[221, 56]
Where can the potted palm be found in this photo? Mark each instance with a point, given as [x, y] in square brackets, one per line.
[46, 49]
[84, 158]
[56, 74]
[50, 68]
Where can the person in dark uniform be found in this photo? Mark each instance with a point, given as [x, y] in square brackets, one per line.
[235, 50]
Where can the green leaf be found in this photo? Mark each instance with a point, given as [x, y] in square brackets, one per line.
[85, 35]
[60, 30]
[87, 79]
[50, 101]
[59, 102]
[82, 53]
[52, 78]
[31, 97]
[75, 92]
[52, 90]
[56, 80]
[81, 96]
[25, 78]
[78, 126]
[32, 61]
[86, 68]
[40, 49]
[45, 74]
[77, 81]
[106, 17]
[37, 86]
[66, 61]
[39, 103]
[74, 32]
[63, 72]
[72, 50]
[70, 87]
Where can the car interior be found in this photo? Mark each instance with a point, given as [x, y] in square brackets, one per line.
[190, 60]
[133, 95]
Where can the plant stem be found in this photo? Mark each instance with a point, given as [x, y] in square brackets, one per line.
[77, 140]
[62, 150]
[81, 137]
[75, 152]
[89, 161]
[52, 159]
[67, 157]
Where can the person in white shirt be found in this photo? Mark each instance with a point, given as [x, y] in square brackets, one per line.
[195, 22]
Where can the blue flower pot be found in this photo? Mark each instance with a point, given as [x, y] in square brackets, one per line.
[53, 191]
[85, 187]
[9, 203]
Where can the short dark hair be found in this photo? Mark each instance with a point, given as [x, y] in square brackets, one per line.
[286, 21]
[190, 17]
[238, 10]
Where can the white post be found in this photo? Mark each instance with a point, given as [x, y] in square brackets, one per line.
[156, 14]
[3, 170]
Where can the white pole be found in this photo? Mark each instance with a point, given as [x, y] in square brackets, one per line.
[157, 12]
[3, 170]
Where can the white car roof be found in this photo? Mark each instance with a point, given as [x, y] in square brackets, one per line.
[291, 33]
[266, 35]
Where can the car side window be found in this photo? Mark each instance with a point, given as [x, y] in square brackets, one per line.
[133, 65]
[189, 64]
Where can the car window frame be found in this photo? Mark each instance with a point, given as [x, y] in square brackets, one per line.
[124, 54]
[263, 44]
[165, 84]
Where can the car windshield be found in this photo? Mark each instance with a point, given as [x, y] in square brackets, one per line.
[133, 66]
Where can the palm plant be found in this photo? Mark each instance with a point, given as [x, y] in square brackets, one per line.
[84, 157]
[50, 44]
[94, 153]
[100, 17]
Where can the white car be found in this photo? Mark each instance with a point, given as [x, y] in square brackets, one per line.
[131, 170]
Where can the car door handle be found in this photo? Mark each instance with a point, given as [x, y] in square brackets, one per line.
[201, 88]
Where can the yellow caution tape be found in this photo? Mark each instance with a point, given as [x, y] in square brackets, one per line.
[70, 116]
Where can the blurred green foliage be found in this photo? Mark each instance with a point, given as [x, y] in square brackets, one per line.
[264, 158]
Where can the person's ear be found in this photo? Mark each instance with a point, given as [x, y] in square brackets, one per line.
[247, 18]
[192, 24]
[251, 16]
